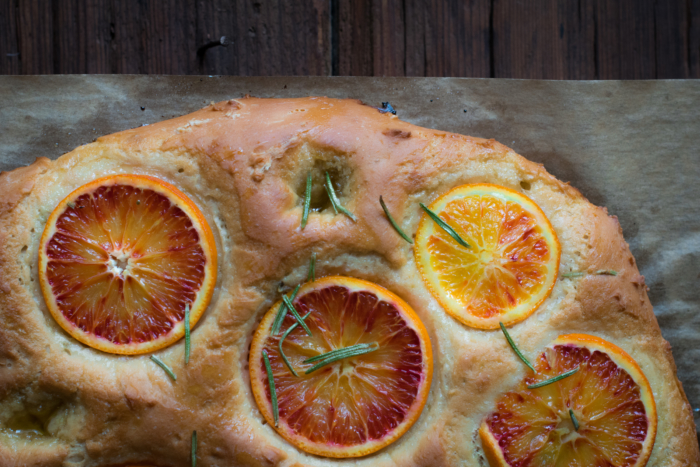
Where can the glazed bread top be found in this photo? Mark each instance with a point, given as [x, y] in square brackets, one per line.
[244, 162]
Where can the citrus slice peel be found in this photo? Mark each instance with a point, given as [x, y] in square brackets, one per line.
[511, 265]
[322, 412]
[121, 257]
[603, 415]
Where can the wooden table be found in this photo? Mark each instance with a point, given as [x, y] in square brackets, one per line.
[542, 39]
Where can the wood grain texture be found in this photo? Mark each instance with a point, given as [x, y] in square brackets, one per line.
[355, 48]
[625, 39]
[35, 36]
[448, 38]
[555, 42]
[9, 47]
[549, 39]
[672, 28]
[269, 37]
[693, 38]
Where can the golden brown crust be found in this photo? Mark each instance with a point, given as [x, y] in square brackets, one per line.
[244, 163]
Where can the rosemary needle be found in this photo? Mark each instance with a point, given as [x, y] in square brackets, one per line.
[339, 354]
[273, 391]
[284, 336]
[296, 314]
[312, 268]
[165, 367]
[281, 313]
[393, 222]
[193, 451]
[307, 201]
[573, 419]
[515, 348]
[569, 275]
[445, 226]
[187, 334]
[552, 380]
[334, 200]
[608, 272]
[336, 352]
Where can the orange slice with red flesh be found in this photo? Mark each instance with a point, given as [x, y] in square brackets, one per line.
[357, 405]
[121, 258]
[510, 266]
[609, 397]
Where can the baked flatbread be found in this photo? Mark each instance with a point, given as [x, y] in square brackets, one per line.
[244, 163]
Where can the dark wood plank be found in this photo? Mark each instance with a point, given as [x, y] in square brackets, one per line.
[372, 38]
[9, 48]
[168, 37]
[128, 54]
[624, 39]
[671, 39]
[577, 37]
[543, 40]
[694, 38]
[35, 36]
[215, 20]
[95, 19]
[388, 54]
[448, 38]
[269, 37]
[569, 39]
[355, 40]
[69, 38]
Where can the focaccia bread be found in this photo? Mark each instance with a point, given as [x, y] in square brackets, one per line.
[244, 163]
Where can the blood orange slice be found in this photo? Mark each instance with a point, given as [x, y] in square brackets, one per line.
[510, 265]
[121, 258]
[355, 405]
[602, 415]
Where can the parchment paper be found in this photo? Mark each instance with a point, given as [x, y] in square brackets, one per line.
[632, 146]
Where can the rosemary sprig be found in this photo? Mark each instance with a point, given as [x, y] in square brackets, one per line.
[569, 275]
[334, 200]
[393, 222]
[312, 268]
[606, 272]
[193, 450]
[187, 334]
[165, 367]
[307, 201]
[281, 313]
[445, 226]
[273, 391]
[573, 419]
[515, 348]
[284, 336]
[296, 314]
[552, 380]
[339, 354]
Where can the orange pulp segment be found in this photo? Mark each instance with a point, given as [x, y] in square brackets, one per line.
[357, 405]
[510, 267]
[610, 398]
[120, 259]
